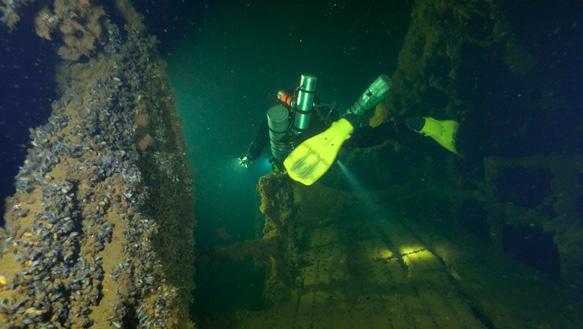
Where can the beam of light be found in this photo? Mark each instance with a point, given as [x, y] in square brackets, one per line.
[409, 253]
[350, 178]
[413, 255]
[366, 198]
[382, 253]
[411, 249]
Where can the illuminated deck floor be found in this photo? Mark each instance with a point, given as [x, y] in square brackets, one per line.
[377, 274]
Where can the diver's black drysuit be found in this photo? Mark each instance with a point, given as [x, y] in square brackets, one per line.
[363, 136]
[368, 136]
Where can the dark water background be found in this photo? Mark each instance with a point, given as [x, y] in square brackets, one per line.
[27, 87]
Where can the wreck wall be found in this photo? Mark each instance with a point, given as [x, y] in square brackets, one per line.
[99, 232]
[426, 80]
[556, 212]
[508, 83]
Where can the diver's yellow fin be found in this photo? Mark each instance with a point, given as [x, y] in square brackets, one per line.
[443, 132]
[312, 158]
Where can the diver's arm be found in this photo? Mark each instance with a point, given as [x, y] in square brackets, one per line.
[261, 139]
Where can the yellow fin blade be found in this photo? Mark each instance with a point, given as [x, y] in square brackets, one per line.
[312, 158]
[444, 132]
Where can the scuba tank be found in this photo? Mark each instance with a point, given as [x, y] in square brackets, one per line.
[278, 116]
[372, 96]
[304, 103]
[278, 122]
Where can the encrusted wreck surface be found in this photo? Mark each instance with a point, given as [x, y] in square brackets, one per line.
[556, 211]
[9, 11]
[465, 61]
[427, 77]
[99, 232]
[368, 260]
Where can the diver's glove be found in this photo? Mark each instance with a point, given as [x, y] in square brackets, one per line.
[244, 161]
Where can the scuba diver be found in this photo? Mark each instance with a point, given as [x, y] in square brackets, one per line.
[307, 153]
[290, 122]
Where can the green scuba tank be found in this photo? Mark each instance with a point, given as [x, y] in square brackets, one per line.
[304, 105]
[371, 96]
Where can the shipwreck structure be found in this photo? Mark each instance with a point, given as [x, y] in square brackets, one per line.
[100, 231]
[492, 238]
